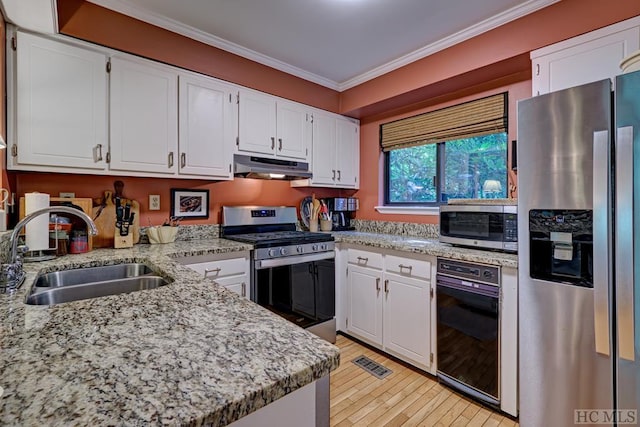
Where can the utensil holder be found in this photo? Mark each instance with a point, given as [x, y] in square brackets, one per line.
[313, 224]
[326, 225]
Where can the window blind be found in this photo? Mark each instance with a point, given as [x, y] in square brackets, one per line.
[470, 119]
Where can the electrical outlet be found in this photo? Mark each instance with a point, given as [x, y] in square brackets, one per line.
[154, 202]
[67, 195]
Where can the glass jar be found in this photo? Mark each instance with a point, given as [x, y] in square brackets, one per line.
[79, 242]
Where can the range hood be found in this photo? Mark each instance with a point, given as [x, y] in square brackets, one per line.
[266, 168]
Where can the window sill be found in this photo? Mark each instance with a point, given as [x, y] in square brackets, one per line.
[408, 210]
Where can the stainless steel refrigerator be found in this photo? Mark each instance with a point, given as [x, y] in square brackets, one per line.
[579, 255]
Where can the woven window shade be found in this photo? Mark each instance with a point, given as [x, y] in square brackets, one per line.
[475, 118]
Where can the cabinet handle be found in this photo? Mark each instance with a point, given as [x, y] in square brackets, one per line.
[339, 174]
[363, 259]
[273, 143]
[279, 144]
[216, 271]
[244, 289]
[183, 160]
[408, 267]
[170, 159]
[97, 153]
[334, 174]
[386, 286]
[378, 284]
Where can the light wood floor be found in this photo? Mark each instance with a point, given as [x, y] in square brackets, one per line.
[404, 398]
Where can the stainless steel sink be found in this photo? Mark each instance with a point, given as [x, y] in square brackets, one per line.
[86, 283]
[93, 274]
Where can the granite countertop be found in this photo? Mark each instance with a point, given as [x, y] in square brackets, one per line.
[189, 353]
[426, 246]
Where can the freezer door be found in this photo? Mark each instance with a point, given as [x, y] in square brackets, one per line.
[627, 119]
[564, 366]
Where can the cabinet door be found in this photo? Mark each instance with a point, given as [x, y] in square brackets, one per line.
[237, 284]
[257, 123]
[407, 317]
[61, 102]
[323, 161]
[584, 59]
[364, 313]
[347, 154]
[144, 116]
[294, 131]
[208, 127]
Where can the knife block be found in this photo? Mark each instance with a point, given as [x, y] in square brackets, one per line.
[120, 242]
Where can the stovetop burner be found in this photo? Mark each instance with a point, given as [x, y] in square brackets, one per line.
[280, 238]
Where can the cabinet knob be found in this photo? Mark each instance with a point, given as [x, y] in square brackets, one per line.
[334, 174]
[244, 289]
[378, 284]
[386, 286]
[97, 153]
[273, 143]
[408, 267]
[362, 259]
[339, 175]
[183, 160]
[279, 144]
[170, 159]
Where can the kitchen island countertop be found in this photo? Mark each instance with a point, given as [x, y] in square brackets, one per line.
[189, 353]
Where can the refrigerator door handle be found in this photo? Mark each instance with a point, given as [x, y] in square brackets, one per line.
[601, 241]
[624, 242]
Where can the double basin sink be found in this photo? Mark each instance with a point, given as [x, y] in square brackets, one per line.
[86, 283]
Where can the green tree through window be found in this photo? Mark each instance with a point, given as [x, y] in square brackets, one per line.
[431, 174]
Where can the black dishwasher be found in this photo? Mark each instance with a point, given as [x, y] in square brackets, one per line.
[468, 328]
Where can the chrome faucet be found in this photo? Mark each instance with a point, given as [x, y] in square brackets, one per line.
[12, 275]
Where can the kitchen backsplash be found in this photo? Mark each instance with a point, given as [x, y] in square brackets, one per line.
[430, 231]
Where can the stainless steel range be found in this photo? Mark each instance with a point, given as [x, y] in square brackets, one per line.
[292, 272]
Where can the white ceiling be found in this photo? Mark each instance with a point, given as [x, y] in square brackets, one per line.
[336, 43]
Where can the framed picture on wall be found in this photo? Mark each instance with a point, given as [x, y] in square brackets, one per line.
[188, 204]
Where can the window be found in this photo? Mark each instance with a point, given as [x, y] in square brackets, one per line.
[467, 160]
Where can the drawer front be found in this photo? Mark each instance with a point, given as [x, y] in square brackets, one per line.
[222, 268]
[365, 259]
[408, 267]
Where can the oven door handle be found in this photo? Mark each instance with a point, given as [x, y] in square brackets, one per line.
[290, 260]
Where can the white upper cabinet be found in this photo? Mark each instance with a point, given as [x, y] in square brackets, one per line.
[208, 126]
[335, 158]
[272, 126]
[144, 116]
[294, 130]
[58, 105]
[584, 59]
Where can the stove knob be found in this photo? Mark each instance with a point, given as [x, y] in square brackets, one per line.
[283, 251]
[272, 252]
[299, 249]
[314, 248]
[323, 247]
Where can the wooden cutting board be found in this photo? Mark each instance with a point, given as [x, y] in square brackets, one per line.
[104, 215]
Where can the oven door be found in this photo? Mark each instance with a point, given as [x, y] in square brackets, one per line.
[299, 288]
[468, 336]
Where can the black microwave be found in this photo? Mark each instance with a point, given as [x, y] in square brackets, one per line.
[480, 226]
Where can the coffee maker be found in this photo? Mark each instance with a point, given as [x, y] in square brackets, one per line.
[342, 210]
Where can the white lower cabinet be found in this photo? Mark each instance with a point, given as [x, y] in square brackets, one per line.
[228, 270]
[389, 303]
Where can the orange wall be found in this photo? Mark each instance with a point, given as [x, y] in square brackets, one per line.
[237, 192]
[492, 62]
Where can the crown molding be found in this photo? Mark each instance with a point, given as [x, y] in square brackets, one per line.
[466, 34]
[145, 15]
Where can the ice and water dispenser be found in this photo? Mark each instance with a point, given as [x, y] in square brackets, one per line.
[561, 246]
